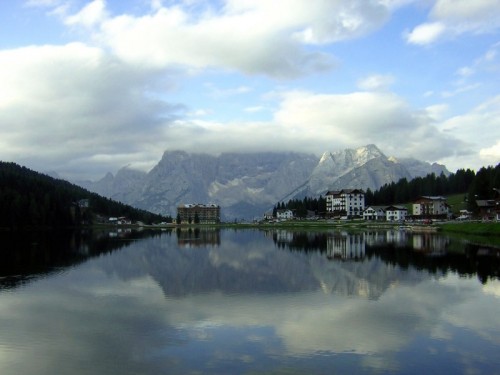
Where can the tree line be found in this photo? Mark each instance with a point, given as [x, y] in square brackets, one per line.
[474, 186]
[32, 199]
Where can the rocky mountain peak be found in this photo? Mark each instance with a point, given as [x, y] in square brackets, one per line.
[246, 185]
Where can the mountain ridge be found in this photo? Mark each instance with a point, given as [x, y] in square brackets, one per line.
[245, 185]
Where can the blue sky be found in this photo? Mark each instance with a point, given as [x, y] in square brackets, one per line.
[87, 87]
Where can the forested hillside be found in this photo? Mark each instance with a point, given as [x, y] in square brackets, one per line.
[32, 199]
[474, 185]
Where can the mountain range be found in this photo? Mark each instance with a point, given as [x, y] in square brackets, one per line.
[245, 185]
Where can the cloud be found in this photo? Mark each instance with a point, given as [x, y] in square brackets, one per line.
[452, 18]
[376, 82]
[315, 123]
[82, 112]
[65, 104]
[426, 33]
[268, 38]
[102, 104]
[90, 15]
[480, 127]
[491, 155]
[438, 111]
[364, 117]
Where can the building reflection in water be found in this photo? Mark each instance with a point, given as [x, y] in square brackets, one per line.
[346, 246]
[353, 246]
[198, 237]
[428, 243]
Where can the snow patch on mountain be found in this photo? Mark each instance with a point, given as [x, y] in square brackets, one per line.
[246, 185]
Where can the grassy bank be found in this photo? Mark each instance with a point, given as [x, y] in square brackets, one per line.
[468, 228]
[472, 228]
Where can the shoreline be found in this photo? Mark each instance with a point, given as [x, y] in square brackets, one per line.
[466, 227]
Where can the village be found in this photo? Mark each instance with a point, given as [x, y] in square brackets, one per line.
[348, 204]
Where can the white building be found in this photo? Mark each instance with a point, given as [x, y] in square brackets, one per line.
[374, 213]
[396, 213]
[284, 214]
[346, 202]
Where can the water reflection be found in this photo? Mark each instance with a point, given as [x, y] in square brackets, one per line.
[195, 237]
[234, 302]
[424, 251]
[26, 255]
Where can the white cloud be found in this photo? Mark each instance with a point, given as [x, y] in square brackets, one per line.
[465, 71]
[491, 155]
[437, 112]
[473, 12]
[426, 33]
[252, 37]
[460, 89]
[376, 82]
[451, 18]
[107, 97]
[480, 128]
[60, 105]
[90, 15]
[75, 102]
[315, 123]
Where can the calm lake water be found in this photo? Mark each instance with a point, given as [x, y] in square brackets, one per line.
[247, 302]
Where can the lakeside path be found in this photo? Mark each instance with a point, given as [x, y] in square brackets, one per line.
[466, 227]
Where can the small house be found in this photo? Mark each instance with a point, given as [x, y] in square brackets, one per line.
[396, 213]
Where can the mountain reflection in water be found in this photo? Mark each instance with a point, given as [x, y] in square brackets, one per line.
[361, 263]
[198, 300]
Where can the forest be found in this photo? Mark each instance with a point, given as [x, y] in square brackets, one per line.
[474, 186]
[32, 199]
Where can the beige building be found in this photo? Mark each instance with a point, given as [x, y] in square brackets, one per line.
[198, 214]
[430, 207]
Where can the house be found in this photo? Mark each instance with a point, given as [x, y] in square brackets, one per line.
[346, 202]
[488, 208]
[464, 215]
[431, 207]
[396, 213]
[122, 220]
[284, 214]
[198, 213]
[268, 215]
[374, 213]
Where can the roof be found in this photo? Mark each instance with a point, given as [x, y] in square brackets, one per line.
[345, 191]
[376, 207]
[193, 205]
[396, 208]
[485, 202]
[430, 198]
[332, 192]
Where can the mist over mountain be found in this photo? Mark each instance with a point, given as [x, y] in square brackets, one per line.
[245, 185]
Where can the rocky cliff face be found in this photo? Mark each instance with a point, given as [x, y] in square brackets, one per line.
[246, 185]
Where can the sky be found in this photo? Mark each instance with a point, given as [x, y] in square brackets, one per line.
[88, 87]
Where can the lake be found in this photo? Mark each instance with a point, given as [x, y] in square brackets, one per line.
[247, 302]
